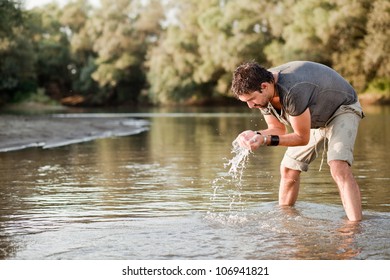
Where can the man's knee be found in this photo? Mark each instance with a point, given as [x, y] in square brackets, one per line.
[339, 167]
[289, 174]
[289, 186]
[341, 171]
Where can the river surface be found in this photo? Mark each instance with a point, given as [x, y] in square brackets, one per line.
[166, 193]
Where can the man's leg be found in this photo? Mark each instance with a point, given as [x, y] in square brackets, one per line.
[289, 186]
[295, 160]
[341, 133]
[348, 188]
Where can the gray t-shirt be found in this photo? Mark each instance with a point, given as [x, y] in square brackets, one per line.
[303, 84]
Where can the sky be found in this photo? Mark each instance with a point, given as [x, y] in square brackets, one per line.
[34, 3]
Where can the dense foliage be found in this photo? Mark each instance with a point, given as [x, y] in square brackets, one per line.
[183, 51]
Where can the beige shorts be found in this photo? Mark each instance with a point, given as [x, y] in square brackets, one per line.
[337, 137]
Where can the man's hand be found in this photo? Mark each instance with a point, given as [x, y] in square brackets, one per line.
[250, 140]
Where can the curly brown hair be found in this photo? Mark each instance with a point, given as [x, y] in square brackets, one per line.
[248, 77]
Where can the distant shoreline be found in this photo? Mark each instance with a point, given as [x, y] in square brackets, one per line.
[48, 131]
[374, 99]
[21, 132]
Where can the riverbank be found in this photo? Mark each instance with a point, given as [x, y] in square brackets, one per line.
[54, 129]
[49, 131]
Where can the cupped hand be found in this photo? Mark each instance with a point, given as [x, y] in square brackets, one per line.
[249, 139]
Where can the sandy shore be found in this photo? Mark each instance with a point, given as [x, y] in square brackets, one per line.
[20, 132]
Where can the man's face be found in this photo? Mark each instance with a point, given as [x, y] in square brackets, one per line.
[255, 99]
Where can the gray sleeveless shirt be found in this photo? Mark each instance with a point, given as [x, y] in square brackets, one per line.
[303, 84]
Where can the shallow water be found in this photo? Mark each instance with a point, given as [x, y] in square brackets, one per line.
[167, 194]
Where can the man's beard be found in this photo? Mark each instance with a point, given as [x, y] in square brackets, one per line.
[260, 106]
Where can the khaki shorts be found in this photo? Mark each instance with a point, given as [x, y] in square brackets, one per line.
[339, 135]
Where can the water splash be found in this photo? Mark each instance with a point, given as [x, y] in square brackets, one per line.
[238, 162]
[232, 179]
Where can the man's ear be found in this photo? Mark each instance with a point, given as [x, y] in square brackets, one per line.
[262, 86]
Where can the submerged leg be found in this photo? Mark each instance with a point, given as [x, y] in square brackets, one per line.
[289, 186]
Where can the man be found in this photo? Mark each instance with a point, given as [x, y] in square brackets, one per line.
[319, 105]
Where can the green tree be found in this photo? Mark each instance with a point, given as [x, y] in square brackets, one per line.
[115, 41]
[75, 18]
[330, 32]
[16, 55]
[51, 44]
[206, 40]
[377, 46]
[10, 16]
[301, 32]
[346, 43]
[171, 63]
[231, 32]
[121, 49]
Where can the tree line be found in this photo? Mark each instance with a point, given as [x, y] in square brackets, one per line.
[182, 51]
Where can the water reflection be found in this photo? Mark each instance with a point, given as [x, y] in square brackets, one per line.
[165, 194]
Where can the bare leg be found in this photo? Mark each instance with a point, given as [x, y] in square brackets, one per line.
[289, 186]
[348, 188]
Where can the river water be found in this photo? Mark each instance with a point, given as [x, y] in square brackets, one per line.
[166, 193]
